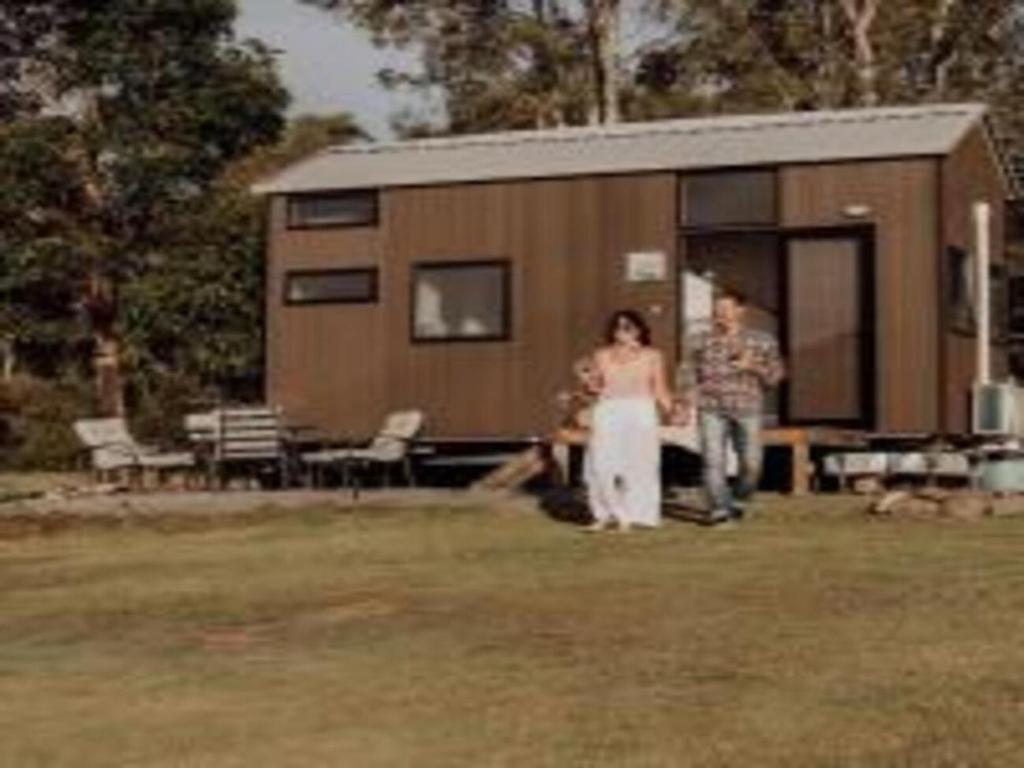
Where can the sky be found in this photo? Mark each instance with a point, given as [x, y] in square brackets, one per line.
[327, 65]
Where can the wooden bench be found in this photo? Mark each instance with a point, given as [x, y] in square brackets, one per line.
[252, 437]
[800, 440]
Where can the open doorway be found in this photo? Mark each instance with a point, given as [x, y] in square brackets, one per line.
[813, 290]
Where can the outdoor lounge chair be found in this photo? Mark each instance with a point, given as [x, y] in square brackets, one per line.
[389, 449]
[112, 449]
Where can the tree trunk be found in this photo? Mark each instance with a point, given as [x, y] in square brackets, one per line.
[942, 52]
[9, 356]
[603, 22]
[101, 305]
[861, 15]
[827, 85]
[100, 299]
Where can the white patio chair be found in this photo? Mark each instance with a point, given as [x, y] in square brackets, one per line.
[112, 449]
[389, 449]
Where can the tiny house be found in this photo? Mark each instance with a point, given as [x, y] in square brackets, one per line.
[464, 275]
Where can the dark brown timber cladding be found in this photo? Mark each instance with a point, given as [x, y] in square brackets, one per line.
[969, 175]
[902, 197]
[342, 367]
[325, 362]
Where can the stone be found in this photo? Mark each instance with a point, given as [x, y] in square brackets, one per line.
[885, 505]
[967, 507]
[935, 494]
[866, 486]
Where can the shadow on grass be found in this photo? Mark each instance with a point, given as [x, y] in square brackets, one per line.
[568, 506]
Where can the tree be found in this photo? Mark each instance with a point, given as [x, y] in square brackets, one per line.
[503, 64]
[740, 55]
[151, 99]
[198, 316]
[861, 16]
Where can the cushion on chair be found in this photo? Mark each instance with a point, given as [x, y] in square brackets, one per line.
[909, 464]
[167, 460]
[951, 465]
[856, 464]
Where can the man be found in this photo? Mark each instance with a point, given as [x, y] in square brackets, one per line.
[725, 374]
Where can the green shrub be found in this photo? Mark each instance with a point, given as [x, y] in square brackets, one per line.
[158, 407]
[35, 422]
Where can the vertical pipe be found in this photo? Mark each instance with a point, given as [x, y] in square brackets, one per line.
[982, 295]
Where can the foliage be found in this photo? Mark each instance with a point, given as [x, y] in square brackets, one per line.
[507, 64]
[35, 421]
[804, 55]
[147, 102]
[201, 312]
[500, 64]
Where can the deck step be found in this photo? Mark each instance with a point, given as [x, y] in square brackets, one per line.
[514, 473]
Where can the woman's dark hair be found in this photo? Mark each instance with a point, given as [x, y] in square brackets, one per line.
[635, 319]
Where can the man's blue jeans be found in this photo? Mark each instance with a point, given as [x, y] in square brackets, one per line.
[717, 431]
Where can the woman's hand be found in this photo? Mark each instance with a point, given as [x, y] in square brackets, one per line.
[679, 416]
[588, 374]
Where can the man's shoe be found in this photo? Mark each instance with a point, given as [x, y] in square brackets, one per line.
[738, 512]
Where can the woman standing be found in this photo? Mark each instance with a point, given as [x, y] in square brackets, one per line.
[623, 463]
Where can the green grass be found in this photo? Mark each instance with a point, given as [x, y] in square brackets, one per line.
[490, 637]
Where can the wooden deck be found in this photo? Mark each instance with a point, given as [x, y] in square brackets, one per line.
[799, 441]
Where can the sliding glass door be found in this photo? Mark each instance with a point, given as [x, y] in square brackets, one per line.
[828, 329]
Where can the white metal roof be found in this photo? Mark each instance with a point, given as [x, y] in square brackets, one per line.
[707, 142]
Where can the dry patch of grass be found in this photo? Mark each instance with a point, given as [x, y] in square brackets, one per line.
[486, 637]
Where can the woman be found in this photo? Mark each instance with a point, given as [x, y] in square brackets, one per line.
[623, 464]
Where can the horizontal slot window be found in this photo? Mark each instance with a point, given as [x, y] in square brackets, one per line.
[729, 199]
[333, 209]
[461, 302]
[960, 289]
[334, 286]
[999, 293]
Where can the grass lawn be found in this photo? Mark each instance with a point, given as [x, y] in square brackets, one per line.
[493, 637]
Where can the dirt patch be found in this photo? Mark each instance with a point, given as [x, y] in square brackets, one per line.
[24, 525]
[934, 504]
[236, 639]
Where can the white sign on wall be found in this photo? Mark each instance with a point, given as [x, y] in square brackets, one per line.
[646, 266]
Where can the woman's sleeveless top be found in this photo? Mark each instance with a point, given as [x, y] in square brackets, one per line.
[630, 379]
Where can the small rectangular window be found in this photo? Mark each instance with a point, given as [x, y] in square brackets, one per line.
[461, 302]
[1016, 306]
[999, 307]
[960, 289]
[744, 198]
[333, 209]
[333, 286]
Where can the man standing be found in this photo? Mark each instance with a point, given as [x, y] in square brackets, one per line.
[725, 374]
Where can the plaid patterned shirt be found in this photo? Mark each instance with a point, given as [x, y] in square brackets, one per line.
[710, 376]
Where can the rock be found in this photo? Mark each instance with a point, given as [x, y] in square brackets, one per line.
[866, 486]
[916, 508]
[935, 494]
[967, 507]
[884, 506]
[935, 504]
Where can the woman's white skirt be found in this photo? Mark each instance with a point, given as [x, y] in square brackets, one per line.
[623, 462]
